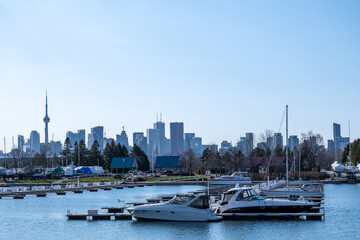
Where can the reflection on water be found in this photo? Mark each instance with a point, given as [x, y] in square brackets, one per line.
[45, 218]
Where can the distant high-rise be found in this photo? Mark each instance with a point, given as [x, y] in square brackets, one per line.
[177, 138]
[34, 142]
[162, 138]
[122, 139]
[76, 137]
[97, 134]
[153, 142]
[21, 143]
[277, 140]
[46, 121]
[336, 131]
[140, 140]
[293, 142]
[188, 137]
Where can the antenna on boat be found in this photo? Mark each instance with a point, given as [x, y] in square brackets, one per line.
[287, 144]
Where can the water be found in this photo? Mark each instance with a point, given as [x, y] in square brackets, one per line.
[45, 218]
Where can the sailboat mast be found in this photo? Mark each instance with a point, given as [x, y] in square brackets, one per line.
[349, 144]
[287, 153]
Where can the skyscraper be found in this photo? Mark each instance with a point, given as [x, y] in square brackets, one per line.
[21, 143]
[34, 142]
[177, 138]
[188, 137]
[122, 139]
[161, 127]
[336, 131]
[293, 142]
[140, 140]
[76, 137]
[46, 121]
[97, 134]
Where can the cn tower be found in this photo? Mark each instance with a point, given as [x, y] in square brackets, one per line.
[46, 121]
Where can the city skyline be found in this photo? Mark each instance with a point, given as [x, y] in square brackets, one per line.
[218, 69]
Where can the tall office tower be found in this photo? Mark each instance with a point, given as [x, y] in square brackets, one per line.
[177, 138]
[46, 121]
[21, 143]
[140, 140]
[249, 144]
[55, 148]
[34, 142]
[188, 137]
[76, 137]
[161, 127]
[241, 145]
[122, 139]
[278, 140]
[89, 141]
[153, 142]
[196, 145]
[97, 134]
[293, 142]
[336, 131]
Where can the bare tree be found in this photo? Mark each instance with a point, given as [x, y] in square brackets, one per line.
[189, 161]
[312, 151]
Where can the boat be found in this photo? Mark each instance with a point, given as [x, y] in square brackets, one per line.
[236, 177]
[350, 168]
[245, 200]
[358, 166]
[181, 208]
[337, 167]
[307, 190]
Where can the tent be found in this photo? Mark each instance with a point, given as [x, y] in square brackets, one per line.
[69, 170]
[83, 170]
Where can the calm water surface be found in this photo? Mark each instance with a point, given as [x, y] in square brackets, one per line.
[45, 218]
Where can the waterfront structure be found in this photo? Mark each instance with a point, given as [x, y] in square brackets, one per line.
[46, 121]
[97, 133]
[177, 138]
[34, 142]
[293, 142]
[76, 137]
[122, 139]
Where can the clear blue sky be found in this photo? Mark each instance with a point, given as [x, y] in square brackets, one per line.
[222, 67]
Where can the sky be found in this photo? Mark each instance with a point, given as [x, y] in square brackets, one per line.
[223, 68]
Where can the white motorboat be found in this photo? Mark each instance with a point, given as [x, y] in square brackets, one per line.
[350, 168]
[307, 190]
[245, 200]
[236, 177]
[183, 207]
[337, 167]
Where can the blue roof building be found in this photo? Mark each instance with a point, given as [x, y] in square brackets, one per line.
[167, 162]
[123, 162]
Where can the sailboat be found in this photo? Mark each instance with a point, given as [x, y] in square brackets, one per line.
[316, 190]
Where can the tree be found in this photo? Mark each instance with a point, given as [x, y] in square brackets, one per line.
[81, 152]
[189, 162]
[95, 157]
[355, 152]
[140, 157]
[67, 150]
[312, 151]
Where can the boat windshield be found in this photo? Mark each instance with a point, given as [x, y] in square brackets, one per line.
[181, 199]
[202, 202]
[248, 194]
[227, 196]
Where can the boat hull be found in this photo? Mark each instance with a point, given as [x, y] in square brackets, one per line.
[175, 216]
[228, 182]
[269, 209]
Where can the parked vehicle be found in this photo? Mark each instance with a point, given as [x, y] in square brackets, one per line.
[168, 172]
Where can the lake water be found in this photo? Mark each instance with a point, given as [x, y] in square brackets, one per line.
[45, 218]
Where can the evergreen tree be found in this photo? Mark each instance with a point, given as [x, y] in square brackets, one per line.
[95, 157]
[66, 152]
[141, 158]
